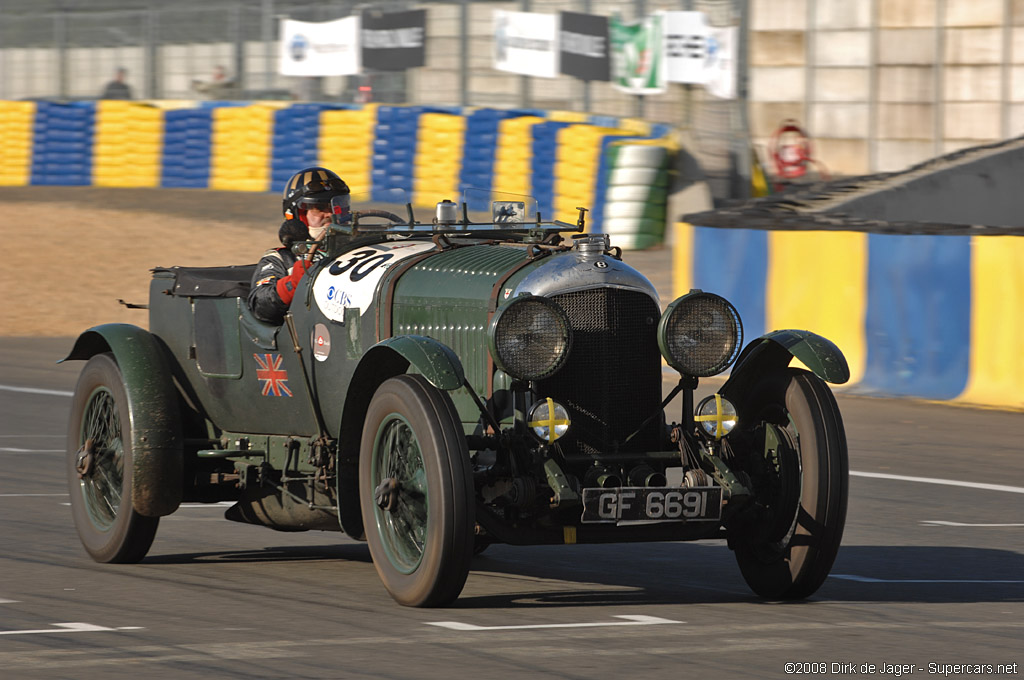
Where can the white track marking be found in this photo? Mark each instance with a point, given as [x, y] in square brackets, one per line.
[946, 482]
[36, 390]
[29, 495]
[868, 579]
[7, 449]
[632, 620]
[64, 628]
[2, 601]
[944, 523]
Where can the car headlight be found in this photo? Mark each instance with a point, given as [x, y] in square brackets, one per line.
[716, 416]
[530, 337]
[700, 334]
[548, 420]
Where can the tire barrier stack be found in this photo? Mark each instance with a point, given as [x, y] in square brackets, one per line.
[345, 145]
[637, 194]
[186, 153]
[62, 144]
[542, 165]
[388, 153]
[394, 149]
[577, 169]
[293, 145]
[513, 157]
[16, 150]
[477, 171]
[240, 148]
[438, 157]
[127, 145]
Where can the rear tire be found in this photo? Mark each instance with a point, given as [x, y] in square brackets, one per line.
[100, 467]
[790, 555]
[416, 492]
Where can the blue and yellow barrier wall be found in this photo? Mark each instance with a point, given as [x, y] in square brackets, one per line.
[937, 317]
[391, 152]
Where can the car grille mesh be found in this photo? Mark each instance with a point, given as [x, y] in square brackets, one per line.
[611, 381]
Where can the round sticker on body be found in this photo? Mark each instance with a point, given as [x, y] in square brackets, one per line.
[351, 279]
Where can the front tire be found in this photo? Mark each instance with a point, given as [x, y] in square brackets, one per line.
[789, 552]
[100, 467]
[416, 492]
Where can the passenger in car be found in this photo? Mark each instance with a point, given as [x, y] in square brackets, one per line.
[307, 211]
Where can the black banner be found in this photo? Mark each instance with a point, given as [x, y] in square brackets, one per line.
[393, 41]
[583, 46]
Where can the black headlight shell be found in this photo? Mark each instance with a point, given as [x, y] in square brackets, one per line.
[700, 334]
[530, 337]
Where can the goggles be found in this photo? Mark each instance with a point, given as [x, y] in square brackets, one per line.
[313, 204]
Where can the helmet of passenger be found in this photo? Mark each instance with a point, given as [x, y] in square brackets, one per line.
[308, 188]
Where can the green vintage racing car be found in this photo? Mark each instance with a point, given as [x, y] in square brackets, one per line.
[442, 385]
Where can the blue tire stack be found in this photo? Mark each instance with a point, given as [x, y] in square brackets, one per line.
[62, 144]
[295, 141]
[393, 149]
[186, 157]
[481, 142]
[545, 144]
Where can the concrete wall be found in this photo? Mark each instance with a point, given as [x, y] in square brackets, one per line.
[883, 84]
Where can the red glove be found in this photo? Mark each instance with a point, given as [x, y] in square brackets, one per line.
[286, 285]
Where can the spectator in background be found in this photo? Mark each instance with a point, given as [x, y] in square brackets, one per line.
[220, 85]
[117, 88]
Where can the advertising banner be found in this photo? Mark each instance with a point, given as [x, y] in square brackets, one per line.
[637, 56]
[329, 48]
[393, 41]
[686, 47]
[526, 43]
[721, 66]
[697, 53]
[583, 46]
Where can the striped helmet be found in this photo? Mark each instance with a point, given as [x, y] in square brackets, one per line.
[309, 187]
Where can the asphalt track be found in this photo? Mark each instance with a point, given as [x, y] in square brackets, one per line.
[931, 574]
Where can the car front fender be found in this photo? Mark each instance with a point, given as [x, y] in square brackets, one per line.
[153, 407]
[773, 351]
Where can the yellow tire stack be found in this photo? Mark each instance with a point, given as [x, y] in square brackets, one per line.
[16, 120]
[438, 158]
[346, 145]
[577, 160]
[512, 170]
[127, 145]
[241, 148]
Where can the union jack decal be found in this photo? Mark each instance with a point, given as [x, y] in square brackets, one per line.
[274, 378]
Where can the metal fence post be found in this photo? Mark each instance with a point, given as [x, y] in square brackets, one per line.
[60, 35]
[267, 36]
[464, 52]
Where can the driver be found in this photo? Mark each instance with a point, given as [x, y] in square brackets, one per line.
[307, 211]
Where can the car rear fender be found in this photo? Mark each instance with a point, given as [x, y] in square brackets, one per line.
[388, 358]
[773, 351]
[153, 408]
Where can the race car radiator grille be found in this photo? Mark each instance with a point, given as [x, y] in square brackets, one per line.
[611, 381]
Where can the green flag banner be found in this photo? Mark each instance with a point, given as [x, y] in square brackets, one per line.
[637, 55]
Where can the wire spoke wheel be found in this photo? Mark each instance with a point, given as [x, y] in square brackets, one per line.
[403, 524]
[801, 483]
[416, 492]
[100, 473]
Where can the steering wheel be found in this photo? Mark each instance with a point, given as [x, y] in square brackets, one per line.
[358, 214]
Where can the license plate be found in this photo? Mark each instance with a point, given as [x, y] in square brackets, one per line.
[641, 504]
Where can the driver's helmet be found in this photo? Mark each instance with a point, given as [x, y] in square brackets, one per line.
[311, 187]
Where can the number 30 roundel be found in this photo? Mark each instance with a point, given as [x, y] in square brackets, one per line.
[352, 278]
